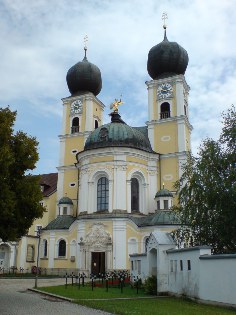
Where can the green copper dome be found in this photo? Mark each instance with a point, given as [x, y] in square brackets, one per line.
[163, 193]
[65, 201]
[118, 134]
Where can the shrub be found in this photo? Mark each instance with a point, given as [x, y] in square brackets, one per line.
[150, 285]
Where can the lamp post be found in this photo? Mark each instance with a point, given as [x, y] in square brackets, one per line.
[37, 265]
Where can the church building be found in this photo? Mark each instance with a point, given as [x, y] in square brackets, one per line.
[115, 182]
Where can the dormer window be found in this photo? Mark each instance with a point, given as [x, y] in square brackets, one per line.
[75, 125]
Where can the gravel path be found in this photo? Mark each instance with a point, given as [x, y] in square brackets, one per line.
[15, 299]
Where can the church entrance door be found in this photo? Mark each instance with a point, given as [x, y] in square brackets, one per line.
[98, 263]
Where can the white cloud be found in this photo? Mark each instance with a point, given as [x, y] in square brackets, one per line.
[41, 40]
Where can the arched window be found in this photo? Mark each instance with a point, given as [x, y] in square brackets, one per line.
[132, 246]
[95, 124]
[146, 239]
[45, 248]
[165, 110]
[75, 125]
[102, 194]
[62, 248]
[134, 194]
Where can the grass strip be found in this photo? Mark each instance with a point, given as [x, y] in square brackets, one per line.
[159, 306]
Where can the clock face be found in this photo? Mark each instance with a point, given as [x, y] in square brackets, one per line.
[165, 90]
[76, 107]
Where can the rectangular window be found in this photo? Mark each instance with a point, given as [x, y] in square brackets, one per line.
[181, 265]
[171, 266]
[64, 210]
[158, 205]
[37, 228]
[175, 265]
[166, 204]
[189, 264]
[132, 265]
[139, 267]
[30, 253]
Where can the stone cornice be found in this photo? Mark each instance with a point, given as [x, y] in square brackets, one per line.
[172, 79]
[179, 119]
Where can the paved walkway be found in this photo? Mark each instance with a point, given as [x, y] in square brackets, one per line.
[15, 299]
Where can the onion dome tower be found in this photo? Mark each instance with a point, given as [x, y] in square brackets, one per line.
[166, 59]
[84, 77]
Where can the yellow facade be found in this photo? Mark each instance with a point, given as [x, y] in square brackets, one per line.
[121, 175]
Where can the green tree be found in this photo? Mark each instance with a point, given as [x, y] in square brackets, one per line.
[19, 191]
[207, 192]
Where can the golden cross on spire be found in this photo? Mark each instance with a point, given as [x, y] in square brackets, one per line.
[164, 18]
[85, 44]
[85, 41]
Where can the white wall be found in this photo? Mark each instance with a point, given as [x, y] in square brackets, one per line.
[218, 278]
[135, 272]
[185, 281]
[211, 278]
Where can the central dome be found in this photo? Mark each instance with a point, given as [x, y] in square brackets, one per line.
[118, 134]
[166, 59]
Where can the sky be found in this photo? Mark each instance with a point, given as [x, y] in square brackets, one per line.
[40, 40]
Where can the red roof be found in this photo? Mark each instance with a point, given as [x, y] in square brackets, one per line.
[49, 182]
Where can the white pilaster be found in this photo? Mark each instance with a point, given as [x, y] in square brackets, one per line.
[119, 244]
[62, 152]
[23, 252]
[83, 192]
[89, 113]
[128, 184]
[120, 188]
[91, 198]
[79, 254]
[60, 185]
[181, 136]
[144, 199]
[64, 118]
[179, 97]
[150, 100]
[110, 205]
[152, 178]
[51, 254]
[151, 135]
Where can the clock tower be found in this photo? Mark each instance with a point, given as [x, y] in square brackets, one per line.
[82, 113]
[169, 129]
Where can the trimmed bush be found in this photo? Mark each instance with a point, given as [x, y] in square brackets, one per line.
[150, 285]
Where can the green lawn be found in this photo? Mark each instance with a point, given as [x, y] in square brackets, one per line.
[158, 305]
[98, 293]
